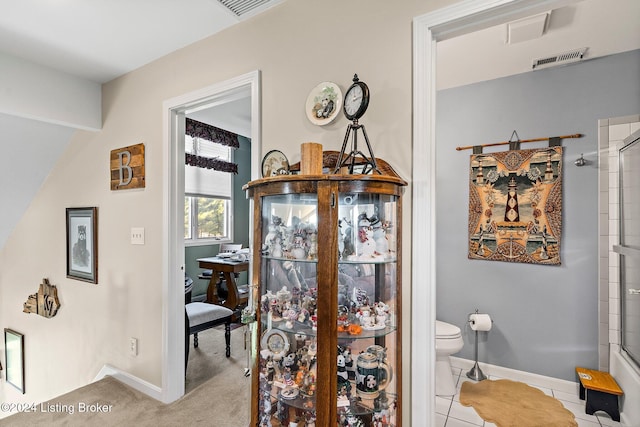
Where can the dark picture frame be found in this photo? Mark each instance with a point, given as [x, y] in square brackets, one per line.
[14, 358]
[82, 244]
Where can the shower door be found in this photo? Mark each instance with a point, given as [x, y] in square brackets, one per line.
[629, 248]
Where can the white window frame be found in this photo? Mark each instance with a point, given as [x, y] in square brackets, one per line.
[212, 193]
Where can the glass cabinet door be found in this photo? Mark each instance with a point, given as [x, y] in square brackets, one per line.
[288, 302]
[328, 302]
[367, 309]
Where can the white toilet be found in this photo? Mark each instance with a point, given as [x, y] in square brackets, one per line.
[448, 342]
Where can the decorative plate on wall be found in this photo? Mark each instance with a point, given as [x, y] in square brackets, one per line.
[275, 163]
[323, 103]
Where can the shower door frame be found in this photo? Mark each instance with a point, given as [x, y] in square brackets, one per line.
[625, 252]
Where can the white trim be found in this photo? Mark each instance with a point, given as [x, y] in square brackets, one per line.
[423, 267]
[460, 18]
[173, 233]
[495, 372]
[130, 380]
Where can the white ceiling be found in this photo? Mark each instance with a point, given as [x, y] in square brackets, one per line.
[604, 26]
[100, 40]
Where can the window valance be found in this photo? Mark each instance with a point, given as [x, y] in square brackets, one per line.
[196, 129]
[209, 163]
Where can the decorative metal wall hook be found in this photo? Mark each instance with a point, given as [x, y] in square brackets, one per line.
[580, 161]
[514, 144]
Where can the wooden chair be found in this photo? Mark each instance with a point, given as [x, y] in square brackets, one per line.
[199, 316]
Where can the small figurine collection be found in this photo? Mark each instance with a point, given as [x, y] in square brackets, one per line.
[299, 241]
[288, 312]
[369, 241]
[288, 369]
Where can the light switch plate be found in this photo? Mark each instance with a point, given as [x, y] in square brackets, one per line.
[137, 235]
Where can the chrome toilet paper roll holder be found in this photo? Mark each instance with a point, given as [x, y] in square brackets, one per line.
[476, 373]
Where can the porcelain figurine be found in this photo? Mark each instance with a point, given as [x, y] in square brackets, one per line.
[276, 248]
[270, 370]
[359, 298]
[382, 313]
[274, 231]
[380, 237]
[290, 364]
[291, 315]
[298, 250]
[365, 245]
[349, 365]
[313, 245]
[343, 376]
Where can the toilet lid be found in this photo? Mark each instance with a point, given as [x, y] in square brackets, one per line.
[447, 330]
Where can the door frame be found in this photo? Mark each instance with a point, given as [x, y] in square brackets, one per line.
[458, 19]
[173, 112]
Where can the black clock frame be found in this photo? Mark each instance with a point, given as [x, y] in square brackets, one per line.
[363, 104]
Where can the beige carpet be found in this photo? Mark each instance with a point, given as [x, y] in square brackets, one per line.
[218, 395]
[509, 403]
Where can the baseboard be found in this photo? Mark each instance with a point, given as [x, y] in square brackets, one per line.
[130, 380]
[526, 377]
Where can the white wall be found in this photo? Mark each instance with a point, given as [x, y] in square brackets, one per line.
[296, 46]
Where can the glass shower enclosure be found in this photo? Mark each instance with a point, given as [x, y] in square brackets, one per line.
[629, 247]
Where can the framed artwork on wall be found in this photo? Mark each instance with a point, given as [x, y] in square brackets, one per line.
[14, 357]
[515, 206]
[82, 244]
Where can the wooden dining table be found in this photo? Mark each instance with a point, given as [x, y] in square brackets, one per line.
[228, 269]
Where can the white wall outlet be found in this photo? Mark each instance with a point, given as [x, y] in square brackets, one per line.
[137, 235]
[133, 346]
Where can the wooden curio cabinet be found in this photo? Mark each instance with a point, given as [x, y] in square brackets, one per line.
[327, 294]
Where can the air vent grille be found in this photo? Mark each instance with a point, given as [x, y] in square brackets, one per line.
[242, 7]
[561, 58]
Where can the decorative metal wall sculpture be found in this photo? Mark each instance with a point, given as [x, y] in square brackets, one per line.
[515, 206]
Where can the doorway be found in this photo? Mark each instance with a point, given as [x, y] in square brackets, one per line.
[174, 112]
[462, 18]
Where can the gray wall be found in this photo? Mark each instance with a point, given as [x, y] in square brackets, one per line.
[242, 156]
[545, 317]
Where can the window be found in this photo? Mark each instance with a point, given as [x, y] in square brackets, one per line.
[207, 202]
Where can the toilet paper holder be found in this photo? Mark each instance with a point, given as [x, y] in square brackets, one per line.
[476, 373]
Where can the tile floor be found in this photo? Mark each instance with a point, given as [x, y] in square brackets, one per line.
[451, 413]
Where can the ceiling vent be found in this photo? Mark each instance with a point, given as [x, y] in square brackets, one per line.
[241, 8]
[559, 59]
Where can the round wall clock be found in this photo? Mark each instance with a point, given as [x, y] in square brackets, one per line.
[356, 99]
[275, 163]
[323, 103]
